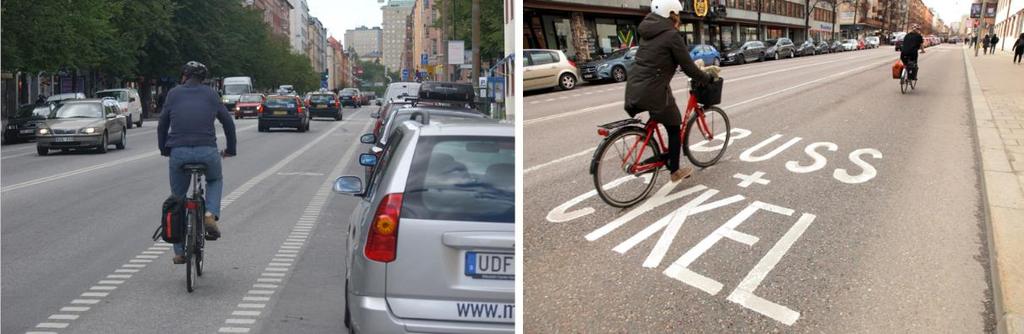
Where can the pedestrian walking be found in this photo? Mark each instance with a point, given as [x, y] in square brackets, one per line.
[974, 41]
[995, 39]
[1018, 49]
[985, 42]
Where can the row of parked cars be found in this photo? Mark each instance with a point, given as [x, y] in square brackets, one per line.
[432, 236]
[71, 121]
[552, 69]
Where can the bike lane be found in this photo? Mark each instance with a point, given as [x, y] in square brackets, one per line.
[828, 215]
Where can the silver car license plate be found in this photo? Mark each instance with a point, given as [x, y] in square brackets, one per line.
[490, 265]
[64, 139]
[27, 131]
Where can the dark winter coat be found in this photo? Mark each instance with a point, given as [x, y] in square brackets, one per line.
[661, 51]
[1018, 47]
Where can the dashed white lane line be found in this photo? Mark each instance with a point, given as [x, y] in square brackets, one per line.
[103, 287]
[63, 317]
[277, 269]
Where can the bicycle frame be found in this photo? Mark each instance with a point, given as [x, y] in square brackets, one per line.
[652, 129]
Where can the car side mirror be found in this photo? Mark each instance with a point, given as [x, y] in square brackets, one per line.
[368, 159]
[349, 185]
[368, 138]
[375, 114]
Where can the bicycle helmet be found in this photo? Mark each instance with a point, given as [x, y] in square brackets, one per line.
[194, 69]
[664, 8]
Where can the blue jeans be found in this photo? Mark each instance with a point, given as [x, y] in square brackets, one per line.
[180, 178]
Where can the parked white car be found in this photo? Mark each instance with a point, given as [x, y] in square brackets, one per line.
[850, 45]
[872, 42]
[129, 101]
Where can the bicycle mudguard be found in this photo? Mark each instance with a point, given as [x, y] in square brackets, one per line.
[617, 129]
[619, 124]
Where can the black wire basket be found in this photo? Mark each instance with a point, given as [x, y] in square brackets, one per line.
[709, 94]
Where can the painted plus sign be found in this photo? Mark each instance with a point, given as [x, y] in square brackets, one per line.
[747, 180]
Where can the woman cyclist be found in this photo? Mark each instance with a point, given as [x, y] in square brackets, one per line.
[661, 51]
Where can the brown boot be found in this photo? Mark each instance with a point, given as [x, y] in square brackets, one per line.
[682, 173]
[212, 230]
[179, 259]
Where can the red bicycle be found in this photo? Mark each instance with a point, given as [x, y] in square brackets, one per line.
[626, 163]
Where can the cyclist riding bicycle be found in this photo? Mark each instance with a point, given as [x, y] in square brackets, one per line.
[912, 43]
[661, 51]
[187, 135]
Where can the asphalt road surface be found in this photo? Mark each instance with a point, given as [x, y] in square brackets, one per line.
[841, 206]
[78, 258]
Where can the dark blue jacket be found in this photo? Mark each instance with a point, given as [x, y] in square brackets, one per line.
[187, 118]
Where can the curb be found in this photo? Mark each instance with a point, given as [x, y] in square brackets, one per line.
[1002, 210]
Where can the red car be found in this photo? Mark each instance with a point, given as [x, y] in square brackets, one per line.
[860, 44]
[248, 105]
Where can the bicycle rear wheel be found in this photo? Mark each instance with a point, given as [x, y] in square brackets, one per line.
[191, 274]
[200, 241]
[705, 145]
[904, 82]
[616, 154]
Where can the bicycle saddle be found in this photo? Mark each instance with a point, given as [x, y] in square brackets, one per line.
[197, 167]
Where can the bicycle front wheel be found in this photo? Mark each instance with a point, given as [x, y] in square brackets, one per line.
[904, 82]
[191, 274]
[707, 136]
[611, 167]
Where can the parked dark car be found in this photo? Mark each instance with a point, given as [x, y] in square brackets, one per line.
[780, 48]
[283, 111]
[350, 97]
[324, 104]
[837, 46]
[23, 124]
[614, 67]
[806, 48]
[822, 47]
[750, 51]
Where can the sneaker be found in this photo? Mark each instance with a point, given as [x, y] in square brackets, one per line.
[210, 223]
[682, 173]
[179, 259]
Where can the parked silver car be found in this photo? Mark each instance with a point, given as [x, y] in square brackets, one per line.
[431, 241]
[83, 124]
[548, 68]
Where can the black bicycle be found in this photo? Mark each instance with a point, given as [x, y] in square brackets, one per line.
[195, 207]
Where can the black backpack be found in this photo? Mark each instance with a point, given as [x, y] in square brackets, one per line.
[172, 220]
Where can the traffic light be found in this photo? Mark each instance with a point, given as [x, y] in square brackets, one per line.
[323, 76]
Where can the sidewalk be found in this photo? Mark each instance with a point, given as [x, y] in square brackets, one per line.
[997, 97]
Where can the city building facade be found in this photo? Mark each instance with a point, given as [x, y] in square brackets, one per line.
[427, 51]
[366, 42]
[298, 21]
[586, 29]
[277, 15]
[1009, 22]
[316, 44]
[396, 15]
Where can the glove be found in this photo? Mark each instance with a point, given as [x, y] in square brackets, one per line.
[165, 151]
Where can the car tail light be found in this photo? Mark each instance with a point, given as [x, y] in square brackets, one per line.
[299, 109]
[260, 109]
[337, 104]
[382, 238]
[572, 63]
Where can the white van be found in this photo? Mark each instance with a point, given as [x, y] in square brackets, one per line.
[129, 102]
[233, 88]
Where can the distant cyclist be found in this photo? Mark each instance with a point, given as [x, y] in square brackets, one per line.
[912, 44]
[661, 51]
[187, 135]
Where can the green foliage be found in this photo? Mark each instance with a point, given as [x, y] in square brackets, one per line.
[149, 38]
[492, 25]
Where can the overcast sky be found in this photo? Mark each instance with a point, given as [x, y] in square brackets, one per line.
[340, 15]
[950, 10]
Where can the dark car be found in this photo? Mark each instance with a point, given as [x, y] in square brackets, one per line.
[350, 97]
[283, 111]
[248, 105]
[324, 105]
[837, 46]
[822, 47]
[780, 48]
[807, 48]
[614, 67]
[23, 124]
[750, 51]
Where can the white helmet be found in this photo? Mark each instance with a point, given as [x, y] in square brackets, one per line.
[665, 7]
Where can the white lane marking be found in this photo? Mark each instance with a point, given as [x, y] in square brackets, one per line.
[548, 164]
[103, 287]
[37, 332]
[744, 292]
[119, 276]
[240, 321]
[85, 301]
[748, 154]
[747, 180]
[133, 265]
[279, 264]
[269, 280]
[103, 166]
[95, 294]
[261, 292]
[74, 308]
[140, 261]
[869, 171]
[281, 260]
[63, 317]
[146, 256]
[660, 197]
[233, 330]
[246, 313]
[126, 271]
[52, 325]
[566, 158]
[153, 252]
[287, 251]
[677, 91]
[251, 305]
[255, 299]
[286, 255]
[115, 282]
[275, 269]
[680, 268]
